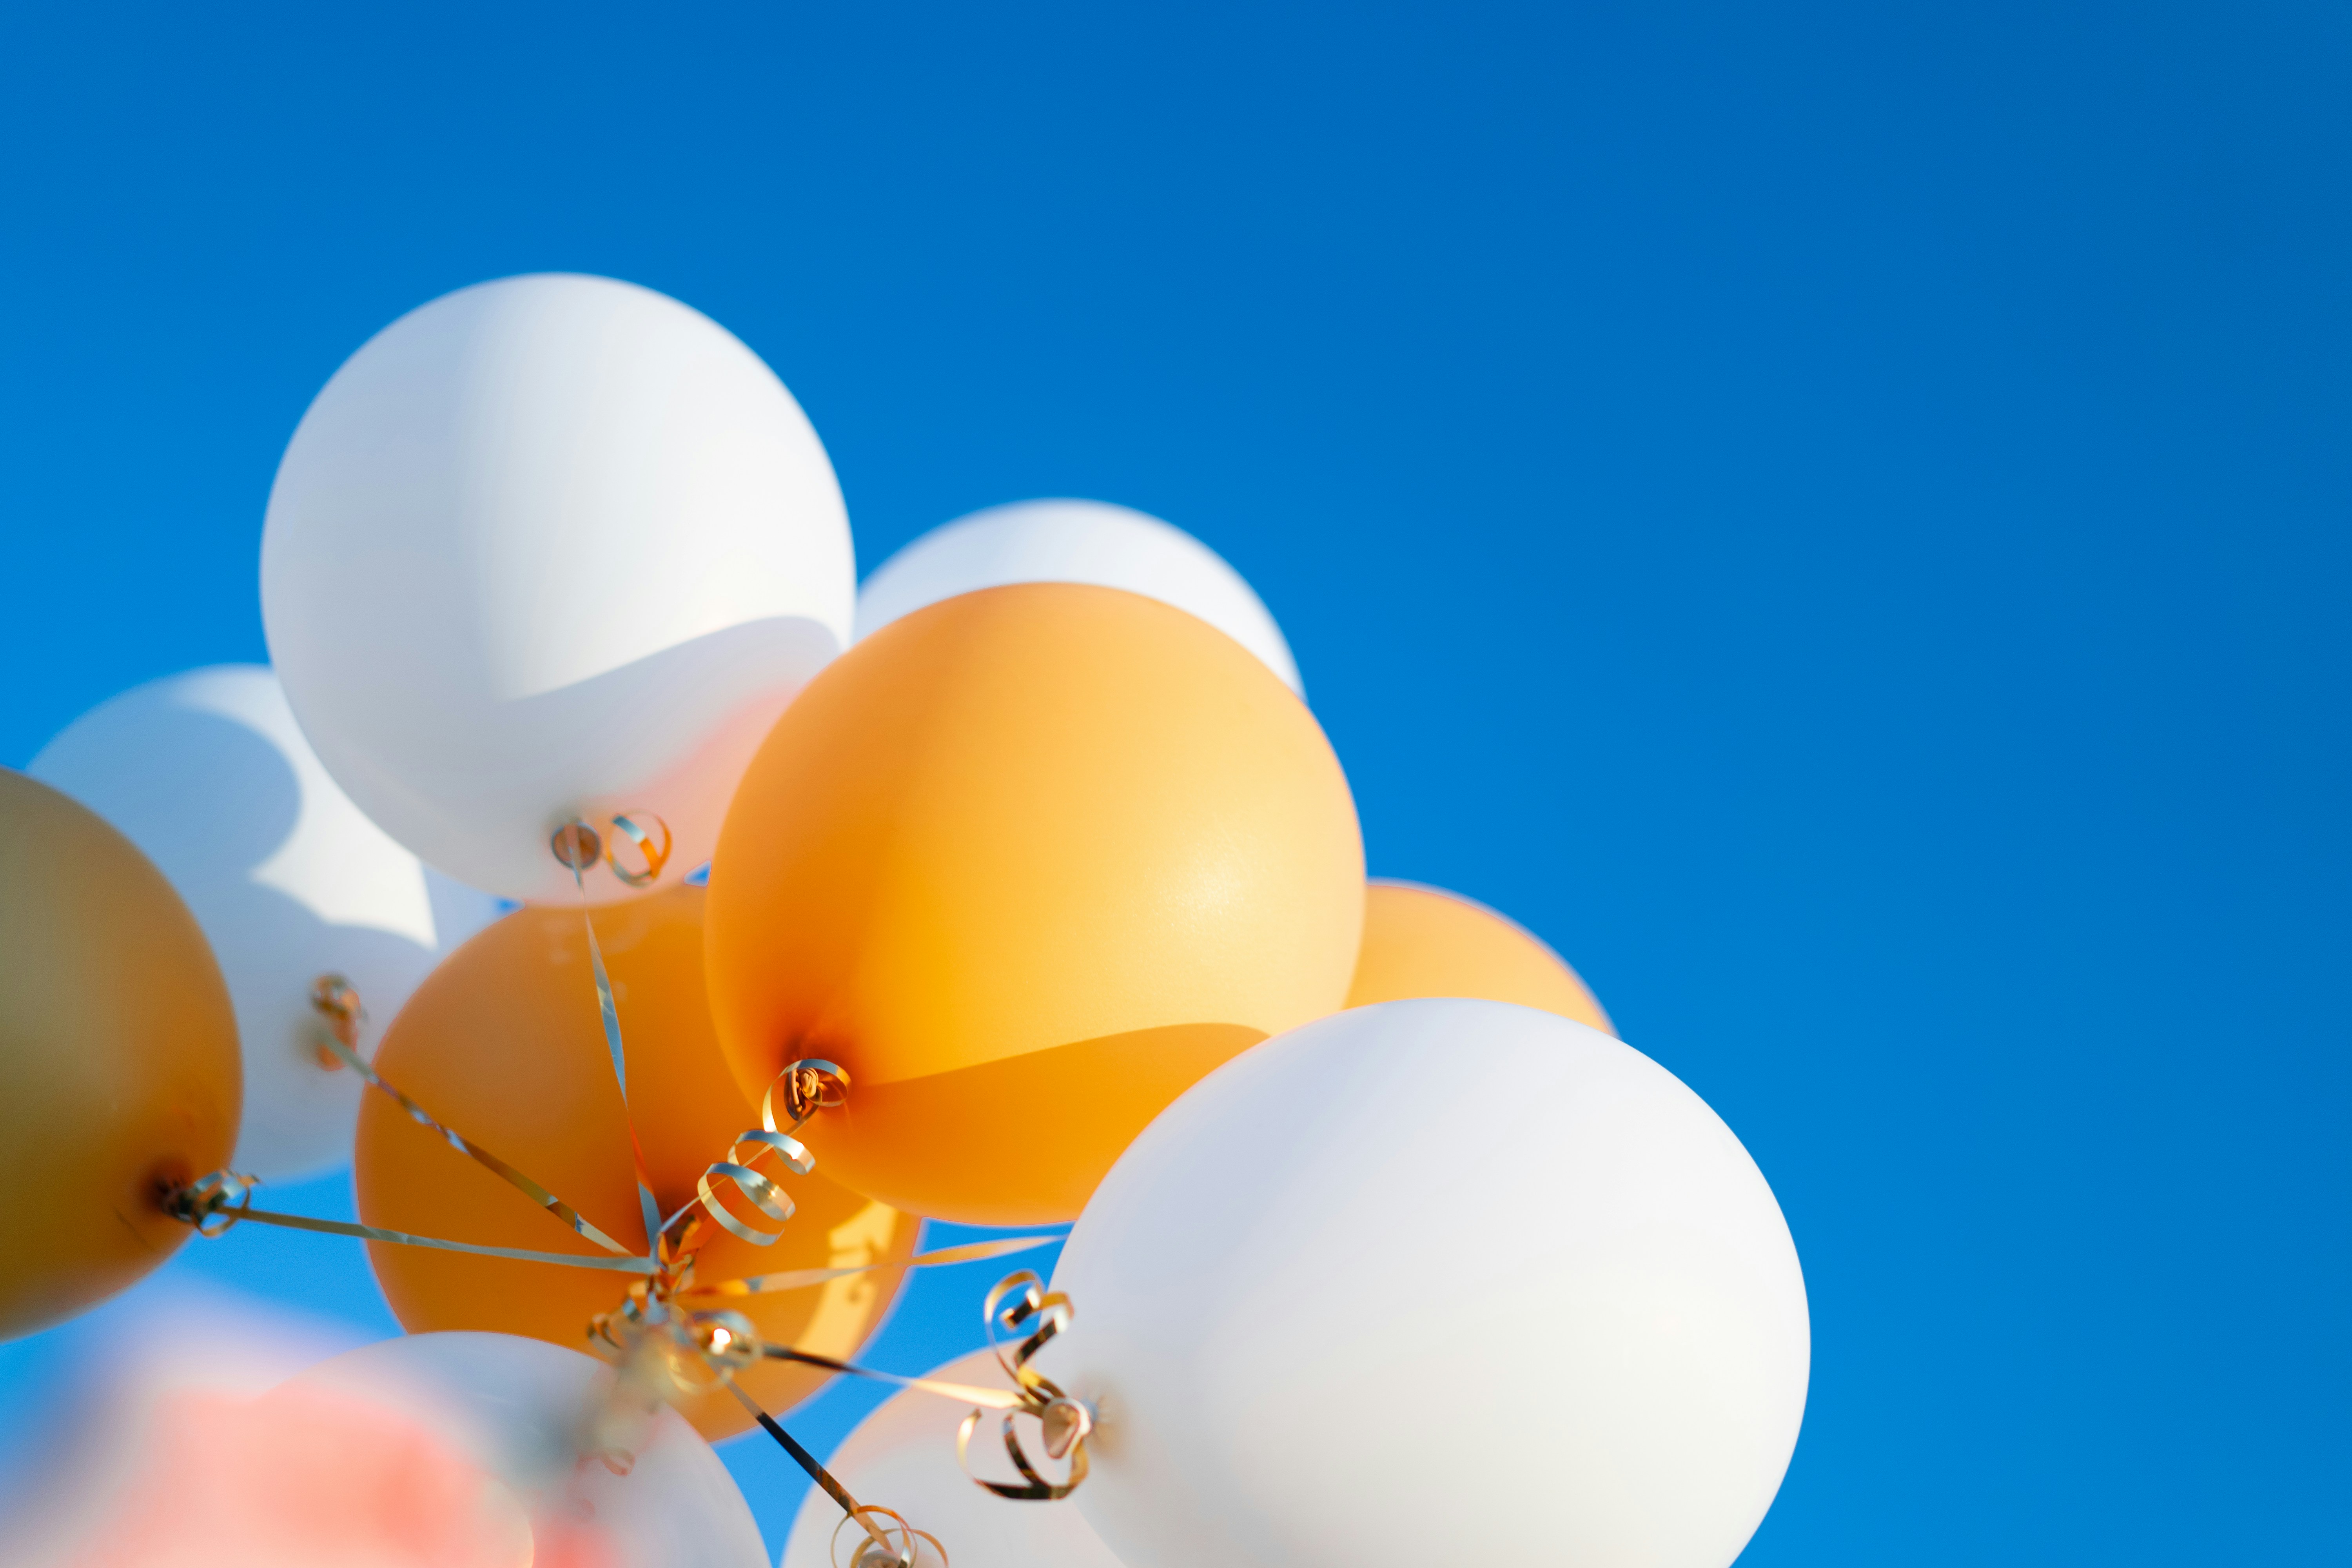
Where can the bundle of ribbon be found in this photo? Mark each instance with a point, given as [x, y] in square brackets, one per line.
[663, 1342]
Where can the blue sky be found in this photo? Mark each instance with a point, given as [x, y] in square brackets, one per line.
[1835, 518]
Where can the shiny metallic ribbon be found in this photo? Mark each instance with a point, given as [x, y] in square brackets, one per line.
[1021, 1305]
[809, 1086]
[877, 1551]
[334, 997]
[656, 855]
[676, 1354]
[802, 1279]
[576, 845]
[217, 1203]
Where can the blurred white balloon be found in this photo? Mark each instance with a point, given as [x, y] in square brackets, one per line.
[548, 547]
[516, 1407]
[88, 1413]
[903, 1457]
[1075, 542]
[208, 774]
[1435, 1281]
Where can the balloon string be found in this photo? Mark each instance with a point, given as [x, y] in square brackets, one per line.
[221, 1200]
[580, 840]
[817, 1472]
[963, 1393]
[336, 999]
[802, 1279]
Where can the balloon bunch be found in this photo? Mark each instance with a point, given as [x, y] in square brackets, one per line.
[1035, 894]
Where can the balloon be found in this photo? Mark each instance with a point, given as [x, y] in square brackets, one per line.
[208, 774]
[1028, 863]
[1435, 1281]
[550, 547]
[1426, 942]
[118, 1058]
[503, 1043]
[304, 1475]
[1075, 542]
[903, 1457]
[516, 1407]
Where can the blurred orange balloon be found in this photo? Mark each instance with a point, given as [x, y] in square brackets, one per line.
[1426, 942]
[503, 1043]
[119, 1071]
[1028, 863]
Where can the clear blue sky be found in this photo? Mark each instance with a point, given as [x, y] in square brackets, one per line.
[1837, 518]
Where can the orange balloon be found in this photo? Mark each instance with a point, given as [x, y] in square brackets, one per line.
[119, 1071]
[1028, 863]
[504, 1044]
[1426, 942]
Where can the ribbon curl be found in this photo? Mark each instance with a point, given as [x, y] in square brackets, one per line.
[1021, 1304]
[808, 1086]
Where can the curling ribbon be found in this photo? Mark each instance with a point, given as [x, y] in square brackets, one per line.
[809, 1086]
[575, 845]
[901, 1556]
[334, 997]
[1020, 1303]
[697, 1353]
[657, 857]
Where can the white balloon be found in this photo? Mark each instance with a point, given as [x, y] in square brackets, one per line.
[903, 1457]
[1075, 542]
[209, 775]
[546, 548]
[516, 1407]
[1435, 1281]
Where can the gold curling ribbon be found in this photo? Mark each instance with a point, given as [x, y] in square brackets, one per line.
[334, 997]
[1021, 1305]
[808, 1086]
[887, 1556]
[802, 1279]
[656, 855]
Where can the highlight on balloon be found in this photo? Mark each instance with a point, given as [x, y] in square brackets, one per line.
[661, 931]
